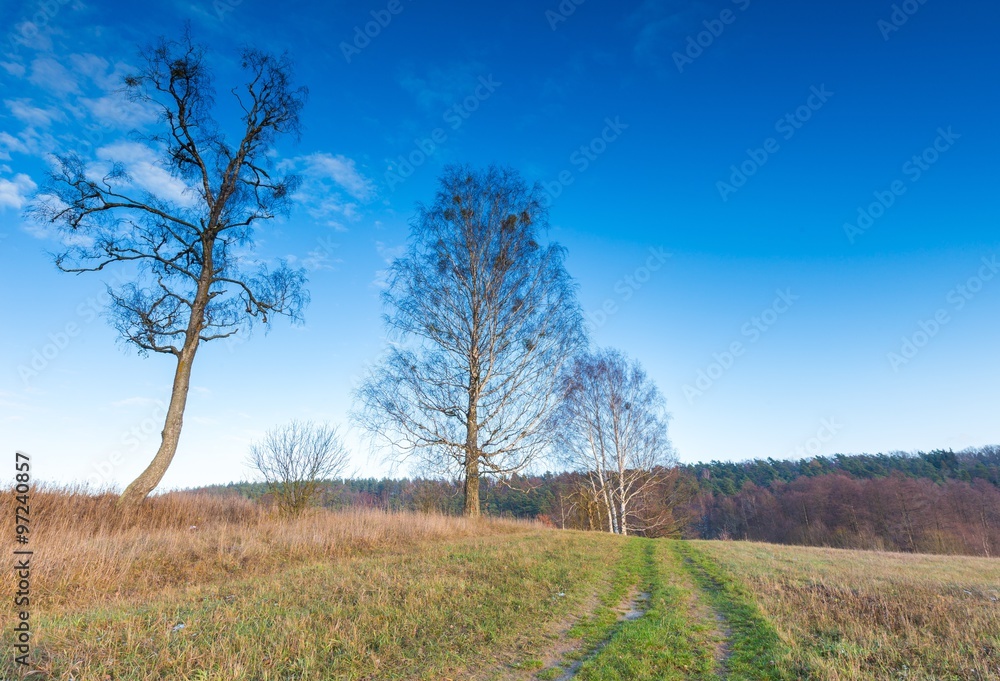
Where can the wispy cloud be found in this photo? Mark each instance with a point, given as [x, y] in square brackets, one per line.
[389, 255]
[50, 75]
[13, 68]
[142, 164]
[333, 188]
[113, 111]
[440, 87]
[24, 111]
[341, 170]
[660, 25]
[15, 193]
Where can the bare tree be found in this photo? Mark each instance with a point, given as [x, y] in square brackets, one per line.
[190, 284]
[613, 426]
[295, 458]
[484, 317]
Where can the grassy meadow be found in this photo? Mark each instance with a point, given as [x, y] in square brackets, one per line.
[220, 588]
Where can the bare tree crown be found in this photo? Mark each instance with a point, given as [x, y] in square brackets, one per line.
[484, 316]
[612, 425]
[191, 283]
[293, 459]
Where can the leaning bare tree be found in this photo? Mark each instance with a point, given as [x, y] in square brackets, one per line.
[293, 459]
[190, 284]
[484, 317]
[612, 426]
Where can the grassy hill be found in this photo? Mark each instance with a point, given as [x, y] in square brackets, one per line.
[218, 588]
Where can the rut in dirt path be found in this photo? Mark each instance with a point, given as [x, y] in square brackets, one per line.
[631, 608]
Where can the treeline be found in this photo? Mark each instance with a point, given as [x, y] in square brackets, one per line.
[932, 502]
[520, 497]
[895, 513]
[726, 477]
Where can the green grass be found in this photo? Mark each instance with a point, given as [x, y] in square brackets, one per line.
[756, 650]
[440, 612]
[668, 642]
[528, 604]
[873, 615]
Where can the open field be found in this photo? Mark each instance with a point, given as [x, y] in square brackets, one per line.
[221, 589]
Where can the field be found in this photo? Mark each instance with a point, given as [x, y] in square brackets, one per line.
[212, 588]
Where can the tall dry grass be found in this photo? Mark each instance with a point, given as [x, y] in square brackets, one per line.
[87, 551]
[875, 615]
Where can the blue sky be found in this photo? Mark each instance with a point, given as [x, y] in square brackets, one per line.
[786, 211]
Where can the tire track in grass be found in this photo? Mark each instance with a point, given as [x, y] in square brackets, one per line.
[594, 631]
[662, 641]
[754, 651]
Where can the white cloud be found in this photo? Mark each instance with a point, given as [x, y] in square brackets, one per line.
[50, 231]
[388, 254]
[32, 35]
[48, 73]
[341, 170]
[23, 111]
[332, 187]
[92, 66]
[13, 68]
[113, 110]
[9, 143]
[14, 193]
[142, 165]
[321, 204]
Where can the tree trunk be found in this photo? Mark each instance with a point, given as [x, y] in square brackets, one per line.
[471, 509]
[622, 502]
[170, 436]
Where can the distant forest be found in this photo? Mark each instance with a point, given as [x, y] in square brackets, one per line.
[930, 502]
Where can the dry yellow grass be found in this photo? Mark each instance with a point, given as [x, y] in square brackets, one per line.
[248, 594]
[86, 552]
[875, 615]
